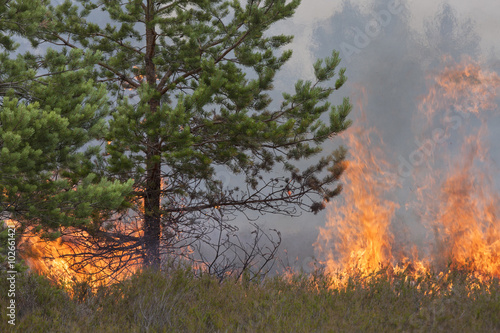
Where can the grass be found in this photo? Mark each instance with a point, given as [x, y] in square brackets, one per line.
[177, 301]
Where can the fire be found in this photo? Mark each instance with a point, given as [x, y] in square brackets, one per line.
[71, 259]
[358, 229]
[54, 259]
[452, 191]
[466, 225]
[464, 86]
[460, 193]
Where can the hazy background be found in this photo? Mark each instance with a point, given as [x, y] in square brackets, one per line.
[392, 67]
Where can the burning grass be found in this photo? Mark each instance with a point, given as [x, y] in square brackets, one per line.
[179, 301]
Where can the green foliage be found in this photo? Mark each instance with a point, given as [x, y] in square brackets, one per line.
[211, 112]
[190, 84]
[48, 122]
[178, 301]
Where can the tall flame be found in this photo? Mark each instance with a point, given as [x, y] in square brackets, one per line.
[358, 228]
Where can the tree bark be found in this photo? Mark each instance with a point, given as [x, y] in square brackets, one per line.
[152, 190]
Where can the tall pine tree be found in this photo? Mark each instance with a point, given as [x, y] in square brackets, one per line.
[190, 84]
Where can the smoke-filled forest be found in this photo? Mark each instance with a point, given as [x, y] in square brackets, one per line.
[249, 166]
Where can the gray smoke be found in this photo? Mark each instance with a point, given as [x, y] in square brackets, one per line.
[386, 55]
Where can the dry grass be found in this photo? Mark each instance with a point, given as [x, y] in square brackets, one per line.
[177, 301]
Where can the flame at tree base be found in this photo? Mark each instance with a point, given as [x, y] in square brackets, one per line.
[61, 261]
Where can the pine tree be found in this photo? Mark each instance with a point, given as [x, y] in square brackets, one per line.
[48, 176]
[190, 85]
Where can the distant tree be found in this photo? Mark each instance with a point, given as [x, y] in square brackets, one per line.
[189, 83]
[48, 176]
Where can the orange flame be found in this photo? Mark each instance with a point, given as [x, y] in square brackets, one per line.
[53, 259]
[454, 196]
[358, 228]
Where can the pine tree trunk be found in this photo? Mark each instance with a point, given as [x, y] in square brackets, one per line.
[152, 216]
[152, 191]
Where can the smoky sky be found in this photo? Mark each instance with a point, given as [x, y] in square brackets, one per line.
[393, 63]
[389, 53]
